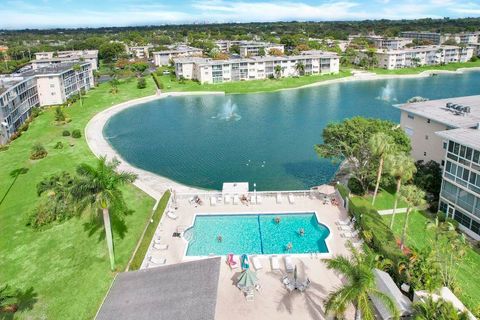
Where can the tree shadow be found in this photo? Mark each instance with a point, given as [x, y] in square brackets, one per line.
[14, 174]
[119, 226]
[26, 299]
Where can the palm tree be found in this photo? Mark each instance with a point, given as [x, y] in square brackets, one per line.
[300, 67]
[360, 285]
[414, 197]
[77, 68]
[437, 309]
[402, 168]
[380, 145]
[98, 187]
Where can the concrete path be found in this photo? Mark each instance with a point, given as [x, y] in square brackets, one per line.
[151, 183]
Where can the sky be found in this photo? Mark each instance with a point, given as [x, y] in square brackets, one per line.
[19, 14]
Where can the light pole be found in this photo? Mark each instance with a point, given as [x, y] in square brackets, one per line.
[255, 190]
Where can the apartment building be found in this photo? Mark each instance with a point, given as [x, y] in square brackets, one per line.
[438, 38]
[139, 52]
[207, 70]
[420, 56]
[46, 59]
[389, 43]
[52, 85]
[225, 45]
[421, 120]
[163, 58]
[250, 49]
[460, 193]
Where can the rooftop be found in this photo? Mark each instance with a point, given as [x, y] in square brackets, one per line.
[437, 110]
[178, 49]
[179, 291]
[466, 136]
[51, 69]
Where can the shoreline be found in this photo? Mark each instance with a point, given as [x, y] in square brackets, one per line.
[154, 184]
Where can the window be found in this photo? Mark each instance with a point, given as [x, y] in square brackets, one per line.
[428, 120]
[445, 145]
[450, 146]
[424, 154]
[443, 163]
[52, 85]
[426, 137]
[409, 131]
[410, 116]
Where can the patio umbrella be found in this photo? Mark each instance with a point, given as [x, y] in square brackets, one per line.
[326, 189]
[247, 280]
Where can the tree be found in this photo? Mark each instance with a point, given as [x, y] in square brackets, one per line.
[414, 197]
[300, 67]
[261, 52]
[401, 168]
[437, 310]
[429, 178]
[141, 83]
[348, 141]
[275, 52]
[380, 145]
[59, 114]
[114, 86]
[98, 188]
[278, 71]
[77, 68]
[111, 51]
[235, 49]
[360, 285]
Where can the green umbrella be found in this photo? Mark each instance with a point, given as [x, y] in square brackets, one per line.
[247, 279]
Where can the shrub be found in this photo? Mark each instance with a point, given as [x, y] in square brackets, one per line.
[66, 133]
[4, 147]
[59, 115]
[344, 192]
[76, 134]
[355, 187]
[442, 216]
[157, 81]
[141, 83]
[38, 152]
[24, 127]
[58, 145]
[36, 112]
[453, 222]
[474, 59]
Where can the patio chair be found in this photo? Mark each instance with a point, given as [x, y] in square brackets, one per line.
[226, 199]
[236, 199]
[274, 263]
[279, 198]
[346, 222]
[172, 215]
[289, 267]
[257, 264]
[249, 295]
[213, 201]
[253, 200]
[259, 199]
[160, 246]
[233, 261]
[350, 234]
[291, 198]
[158, 260]
[345, 228]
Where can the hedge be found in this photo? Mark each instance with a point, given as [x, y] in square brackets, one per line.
[157, 81]
[153, 221]
[343, 190]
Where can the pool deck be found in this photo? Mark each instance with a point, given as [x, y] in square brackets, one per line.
[272, 300]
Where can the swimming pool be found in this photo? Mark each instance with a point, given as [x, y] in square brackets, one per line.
[256, 234]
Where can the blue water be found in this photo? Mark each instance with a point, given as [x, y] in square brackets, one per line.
[256, 234]
[268, 139]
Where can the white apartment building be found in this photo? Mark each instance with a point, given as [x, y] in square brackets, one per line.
[438, 38]
[225, 45]
[421, 120]
[139, 52]
[380, 42]
[53, 85]
[163, 58]
[342, 44]
[420, 56]
[250, 49]
[207, 70]
[46, 59]
[460, 193]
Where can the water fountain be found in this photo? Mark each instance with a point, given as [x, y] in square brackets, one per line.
[229, 112]
[387, 93]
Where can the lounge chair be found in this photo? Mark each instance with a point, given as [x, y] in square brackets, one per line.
[345, 228]
[213, 201]
[158, 260]
[233, 261]
[259, 199]
[172, 215]
[350, 234]
[160, 246]
[256, 263]
[346, 222]
[226, 199]
[279, 198]
[236, 199]
[249, 295]
[291, 198]
[289, 264]
[274, 263]
[253, 200]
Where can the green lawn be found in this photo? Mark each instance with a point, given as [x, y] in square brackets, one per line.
[385, 200]
[171, 84]
[448, 67]
[419, 237]
[64, 268]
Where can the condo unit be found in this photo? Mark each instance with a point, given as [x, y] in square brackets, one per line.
[380, 42]
[163, 58]
[421, 120]
[460, 193]
[248, 49]
[46, 59]
[207, 70]
[438, 38]
[20, 93]
[139, 52]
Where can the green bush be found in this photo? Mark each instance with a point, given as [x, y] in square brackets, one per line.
[76, 134]
[38, 152]
[149, 232]
[355, 186]
[4, 147]
[141, 83]
[66, 133]
[442, 216]
[344, 192]
[58, 145]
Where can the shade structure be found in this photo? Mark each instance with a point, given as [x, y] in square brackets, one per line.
[247, 280]
[326, 189]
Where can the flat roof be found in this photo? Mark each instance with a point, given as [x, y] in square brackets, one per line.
[179, 291]
[466, 136]
[52, 69]
[436, 110]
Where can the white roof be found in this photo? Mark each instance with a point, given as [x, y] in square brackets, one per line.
[235, 188]
[466, 136]
[386, 285]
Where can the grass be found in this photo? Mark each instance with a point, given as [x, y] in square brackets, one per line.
[448, 67]
[419, 237]
[149, 232]
[64, 268]
[171, 84]
[385, 200]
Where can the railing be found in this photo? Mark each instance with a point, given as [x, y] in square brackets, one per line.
[207, 194]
